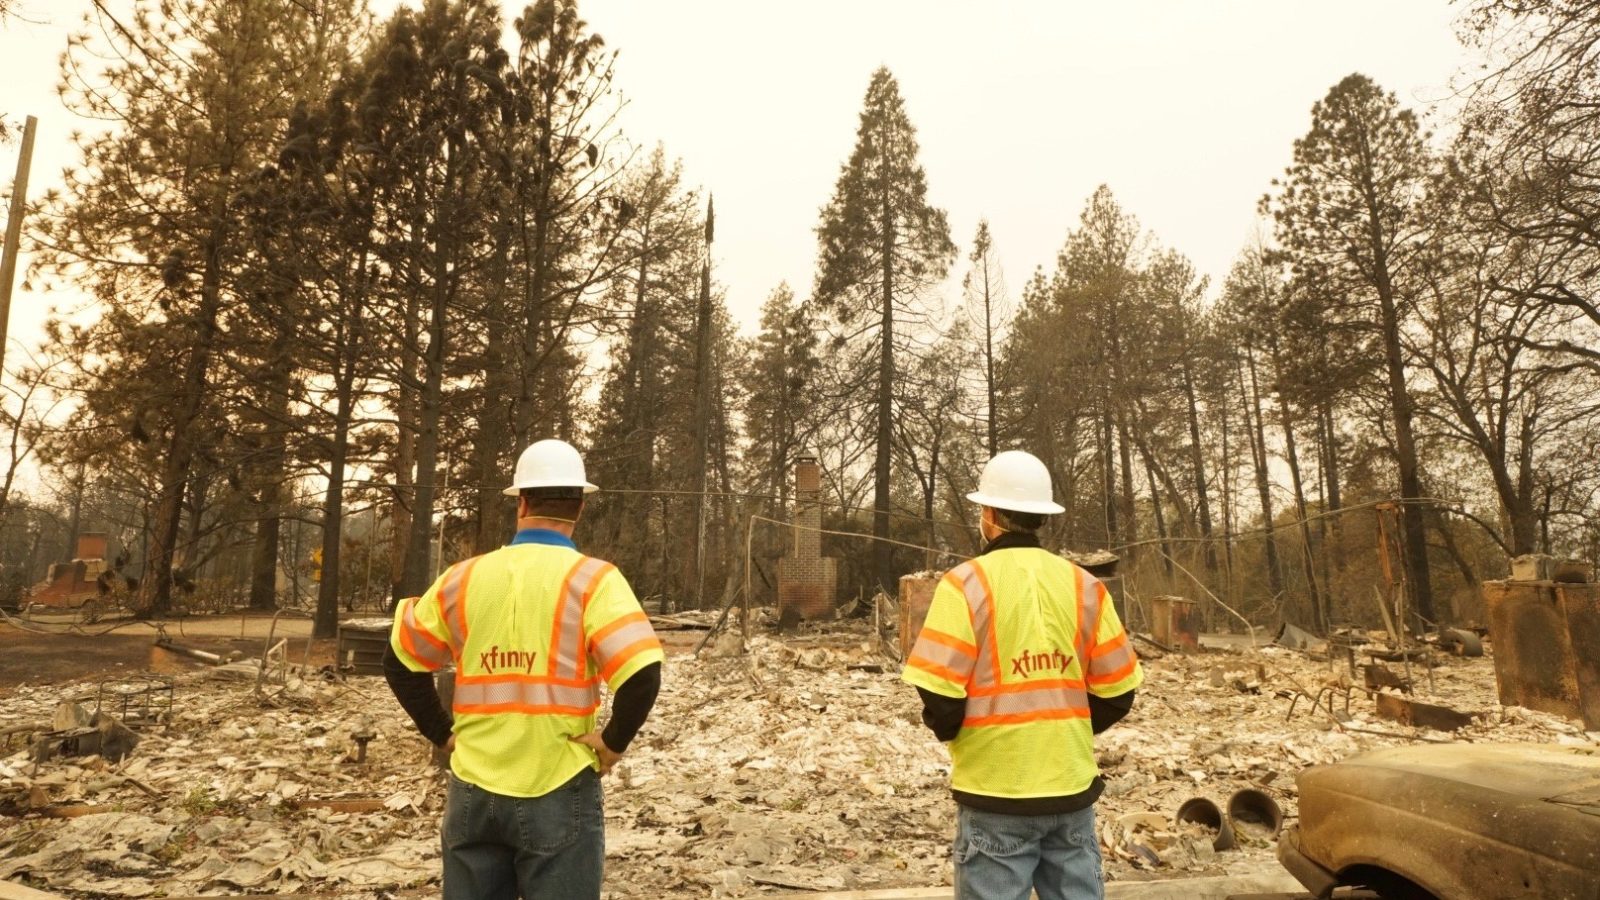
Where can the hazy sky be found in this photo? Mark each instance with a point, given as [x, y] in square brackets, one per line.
[1186, 109]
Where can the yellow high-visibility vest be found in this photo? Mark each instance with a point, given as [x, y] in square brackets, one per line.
[532, 630]
[1025, 636]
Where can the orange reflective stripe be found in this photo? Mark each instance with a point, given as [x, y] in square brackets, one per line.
[618, 639]
[989, 642]
[991, 699]
[1023, 718]
[1088, 610]
[1056, 701]
[933, 668]
[453, 603]
[600, 636]
[530, 679]
[954, 643]
[495, 694]
[1017, 687]
[594, 582]
[417, 641]
[1118, 659]
[1113, 660]
[970, 580]
[948, 654]
[1116, 674]
[1109, 647]
[622, 656]
[567, 656]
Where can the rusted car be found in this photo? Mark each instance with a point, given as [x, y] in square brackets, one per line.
[1468, 822]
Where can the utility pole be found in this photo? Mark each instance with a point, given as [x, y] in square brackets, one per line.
[19, 204]
[703, 409]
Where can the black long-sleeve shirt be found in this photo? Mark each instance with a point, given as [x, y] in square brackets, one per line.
[629, 708]
[943, 716]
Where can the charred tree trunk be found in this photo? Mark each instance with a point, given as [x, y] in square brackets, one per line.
[1103, 432]
[491, 445]
[326, 621]
[1258, 455]
[155, 590]
[1125, 454]
[1160, 517]
[1197, 463]
[1411, 510]
[1308, 558]
[883, 561]
[274, 457]
[417, 577]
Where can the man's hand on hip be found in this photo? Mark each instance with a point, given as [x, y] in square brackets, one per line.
[593, 741]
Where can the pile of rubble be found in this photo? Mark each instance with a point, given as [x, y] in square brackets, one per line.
[800, 764]
[239, 791]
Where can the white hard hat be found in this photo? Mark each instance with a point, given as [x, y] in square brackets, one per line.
[550, 463]
[1016, 480]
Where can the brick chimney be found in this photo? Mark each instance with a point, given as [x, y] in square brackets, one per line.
[93, 545]
[807, 580]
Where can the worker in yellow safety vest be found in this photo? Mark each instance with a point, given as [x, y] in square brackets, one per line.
[532, 629]
[1021, 661]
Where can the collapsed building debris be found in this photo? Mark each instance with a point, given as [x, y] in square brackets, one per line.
[77, 732]
[797, 764]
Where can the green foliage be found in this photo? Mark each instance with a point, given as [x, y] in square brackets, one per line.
[880, 244]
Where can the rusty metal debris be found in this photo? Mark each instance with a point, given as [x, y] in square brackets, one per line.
[1420, 714]
[1379, 677]
[1176, 621]
[137, 700]
[1546, 636]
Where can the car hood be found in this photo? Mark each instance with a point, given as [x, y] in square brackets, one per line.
[1569, 776]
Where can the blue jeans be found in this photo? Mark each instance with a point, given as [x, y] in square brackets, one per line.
[500, 848]
[1000, 857]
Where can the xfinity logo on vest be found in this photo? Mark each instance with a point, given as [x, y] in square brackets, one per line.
[1028, 663]
[494, 658]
